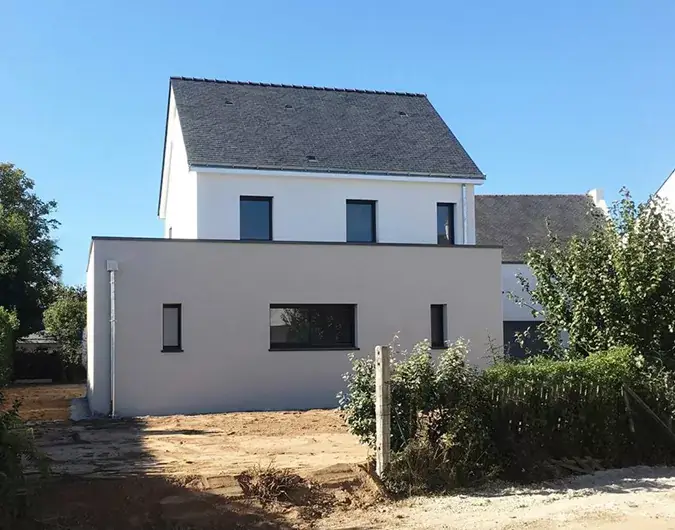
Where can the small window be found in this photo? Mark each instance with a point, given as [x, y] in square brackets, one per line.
[171, 328]
[255, 218]
[445, 223]
[312, 327]
[361, 226]
[438, 326]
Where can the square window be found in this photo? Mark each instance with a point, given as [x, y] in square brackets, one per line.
[255, 218]
[445, 223]
[361, 221]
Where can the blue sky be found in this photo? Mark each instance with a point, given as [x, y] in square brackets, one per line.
[547, 97]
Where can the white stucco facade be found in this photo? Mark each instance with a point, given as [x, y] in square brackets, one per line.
[226, 289]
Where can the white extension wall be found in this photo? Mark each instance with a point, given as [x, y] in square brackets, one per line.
[667, 190]
[313, 208]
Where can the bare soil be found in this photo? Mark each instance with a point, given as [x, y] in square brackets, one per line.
[44, 402]
[179, 472]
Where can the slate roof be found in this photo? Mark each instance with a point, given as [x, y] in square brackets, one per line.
[39, 337]
[518, 222]
[269, 126]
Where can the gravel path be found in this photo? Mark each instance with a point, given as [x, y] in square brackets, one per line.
[633, 498]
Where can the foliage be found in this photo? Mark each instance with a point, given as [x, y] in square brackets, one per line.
[9, 324]
[454, 426]
[65, 319]
[28, 270]
[612, 287]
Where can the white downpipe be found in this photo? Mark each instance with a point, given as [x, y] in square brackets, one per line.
[112, 268]
[465, 216]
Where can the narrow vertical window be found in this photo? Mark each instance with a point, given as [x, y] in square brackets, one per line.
[437, 326]
[445, 223]
[171, 328]
[361, 225]
[255, 218]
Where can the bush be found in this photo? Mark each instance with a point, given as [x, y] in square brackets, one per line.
[454, 426]
[9, 324]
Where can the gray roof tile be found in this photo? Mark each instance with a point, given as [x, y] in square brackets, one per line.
[259, 125]
[518, 222]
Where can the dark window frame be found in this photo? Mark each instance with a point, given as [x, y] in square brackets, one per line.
[179, 347]
[373, 218]
[443, 308]
[257, 198]
[309, 345]
[451, 216]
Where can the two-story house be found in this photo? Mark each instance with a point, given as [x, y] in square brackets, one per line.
[301, 224]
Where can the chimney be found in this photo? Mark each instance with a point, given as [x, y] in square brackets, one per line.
[598, 197]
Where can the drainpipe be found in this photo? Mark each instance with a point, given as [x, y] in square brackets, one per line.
[111, 266]
[465, 214]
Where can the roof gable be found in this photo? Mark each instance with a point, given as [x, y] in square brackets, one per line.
[264, 126]
[518, 222]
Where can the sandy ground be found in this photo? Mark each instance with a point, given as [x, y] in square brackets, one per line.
[43, 402]
[178, 472]
[623, 499]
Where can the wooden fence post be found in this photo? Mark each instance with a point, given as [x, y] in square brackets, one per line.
[382, 410]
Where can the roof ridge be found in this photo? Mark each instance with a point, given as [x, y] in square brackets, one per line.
[307, 87]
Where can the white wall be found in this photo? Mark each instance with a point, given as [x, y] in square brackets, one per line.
[314, 208]
[510, 283]
[667, 190]
[226, 289]
[180, 184]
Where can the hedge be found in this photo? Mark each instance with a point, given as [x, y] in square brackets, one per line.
[453, 425]
[9, 324]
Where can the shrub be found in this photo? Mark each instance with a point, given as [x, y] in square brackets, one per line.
[9, 324]
[454, 426]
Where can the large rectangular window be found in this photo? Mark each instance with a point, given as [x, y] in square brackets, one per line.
[437, 326]
[361, 225]
[532, 344]
[312, 327]
[445, 223]
[171, 328]
[255, 218]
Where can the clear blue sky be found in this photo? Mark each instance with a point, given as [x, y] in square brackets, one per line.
[547, 96]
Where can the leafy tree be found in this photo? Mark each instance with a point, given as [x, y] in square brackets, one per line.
[613, 287]
[28, 271]
[65, 319]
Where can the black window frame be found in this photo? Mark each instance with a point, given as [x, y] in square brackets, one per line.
[373, 218]
[434, 322]
[309, 345]
[179, 346]
[257, 198]
[451, 216]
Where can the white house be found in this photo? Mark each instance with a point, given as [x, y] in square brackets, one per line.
[667, 190]
[518, 223]
[301, 224]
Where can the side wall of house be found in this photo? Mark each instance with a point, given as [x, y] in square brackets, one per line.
[667, 190]
[180, 218]
[226, 289]
[510, 284]
[314, 208]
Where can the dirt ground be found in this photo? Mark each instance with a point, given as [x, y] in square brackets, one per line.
[44, 402]
[179, 472]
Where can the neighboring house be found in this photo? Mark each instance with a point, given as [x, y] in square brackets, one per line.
[38, 341]
[519, 223]
[667, 190]
[37, 357]
[301, 224]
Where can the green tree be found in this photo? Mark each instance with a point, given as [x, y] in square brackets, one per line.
[65, 319]
[28, 270]
[613, 287]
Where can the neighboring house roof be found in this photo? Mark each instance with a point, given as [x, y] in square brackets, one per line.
[39, 337]
[269, 126]
[518, 222]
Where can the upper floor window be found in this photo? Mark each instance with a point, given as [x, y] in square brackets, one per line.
[361, 226]
[255, 218]
[445, 223]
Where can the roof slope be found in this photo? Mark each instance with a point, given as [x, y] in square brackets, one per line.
[255, 125]
[518, 222]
